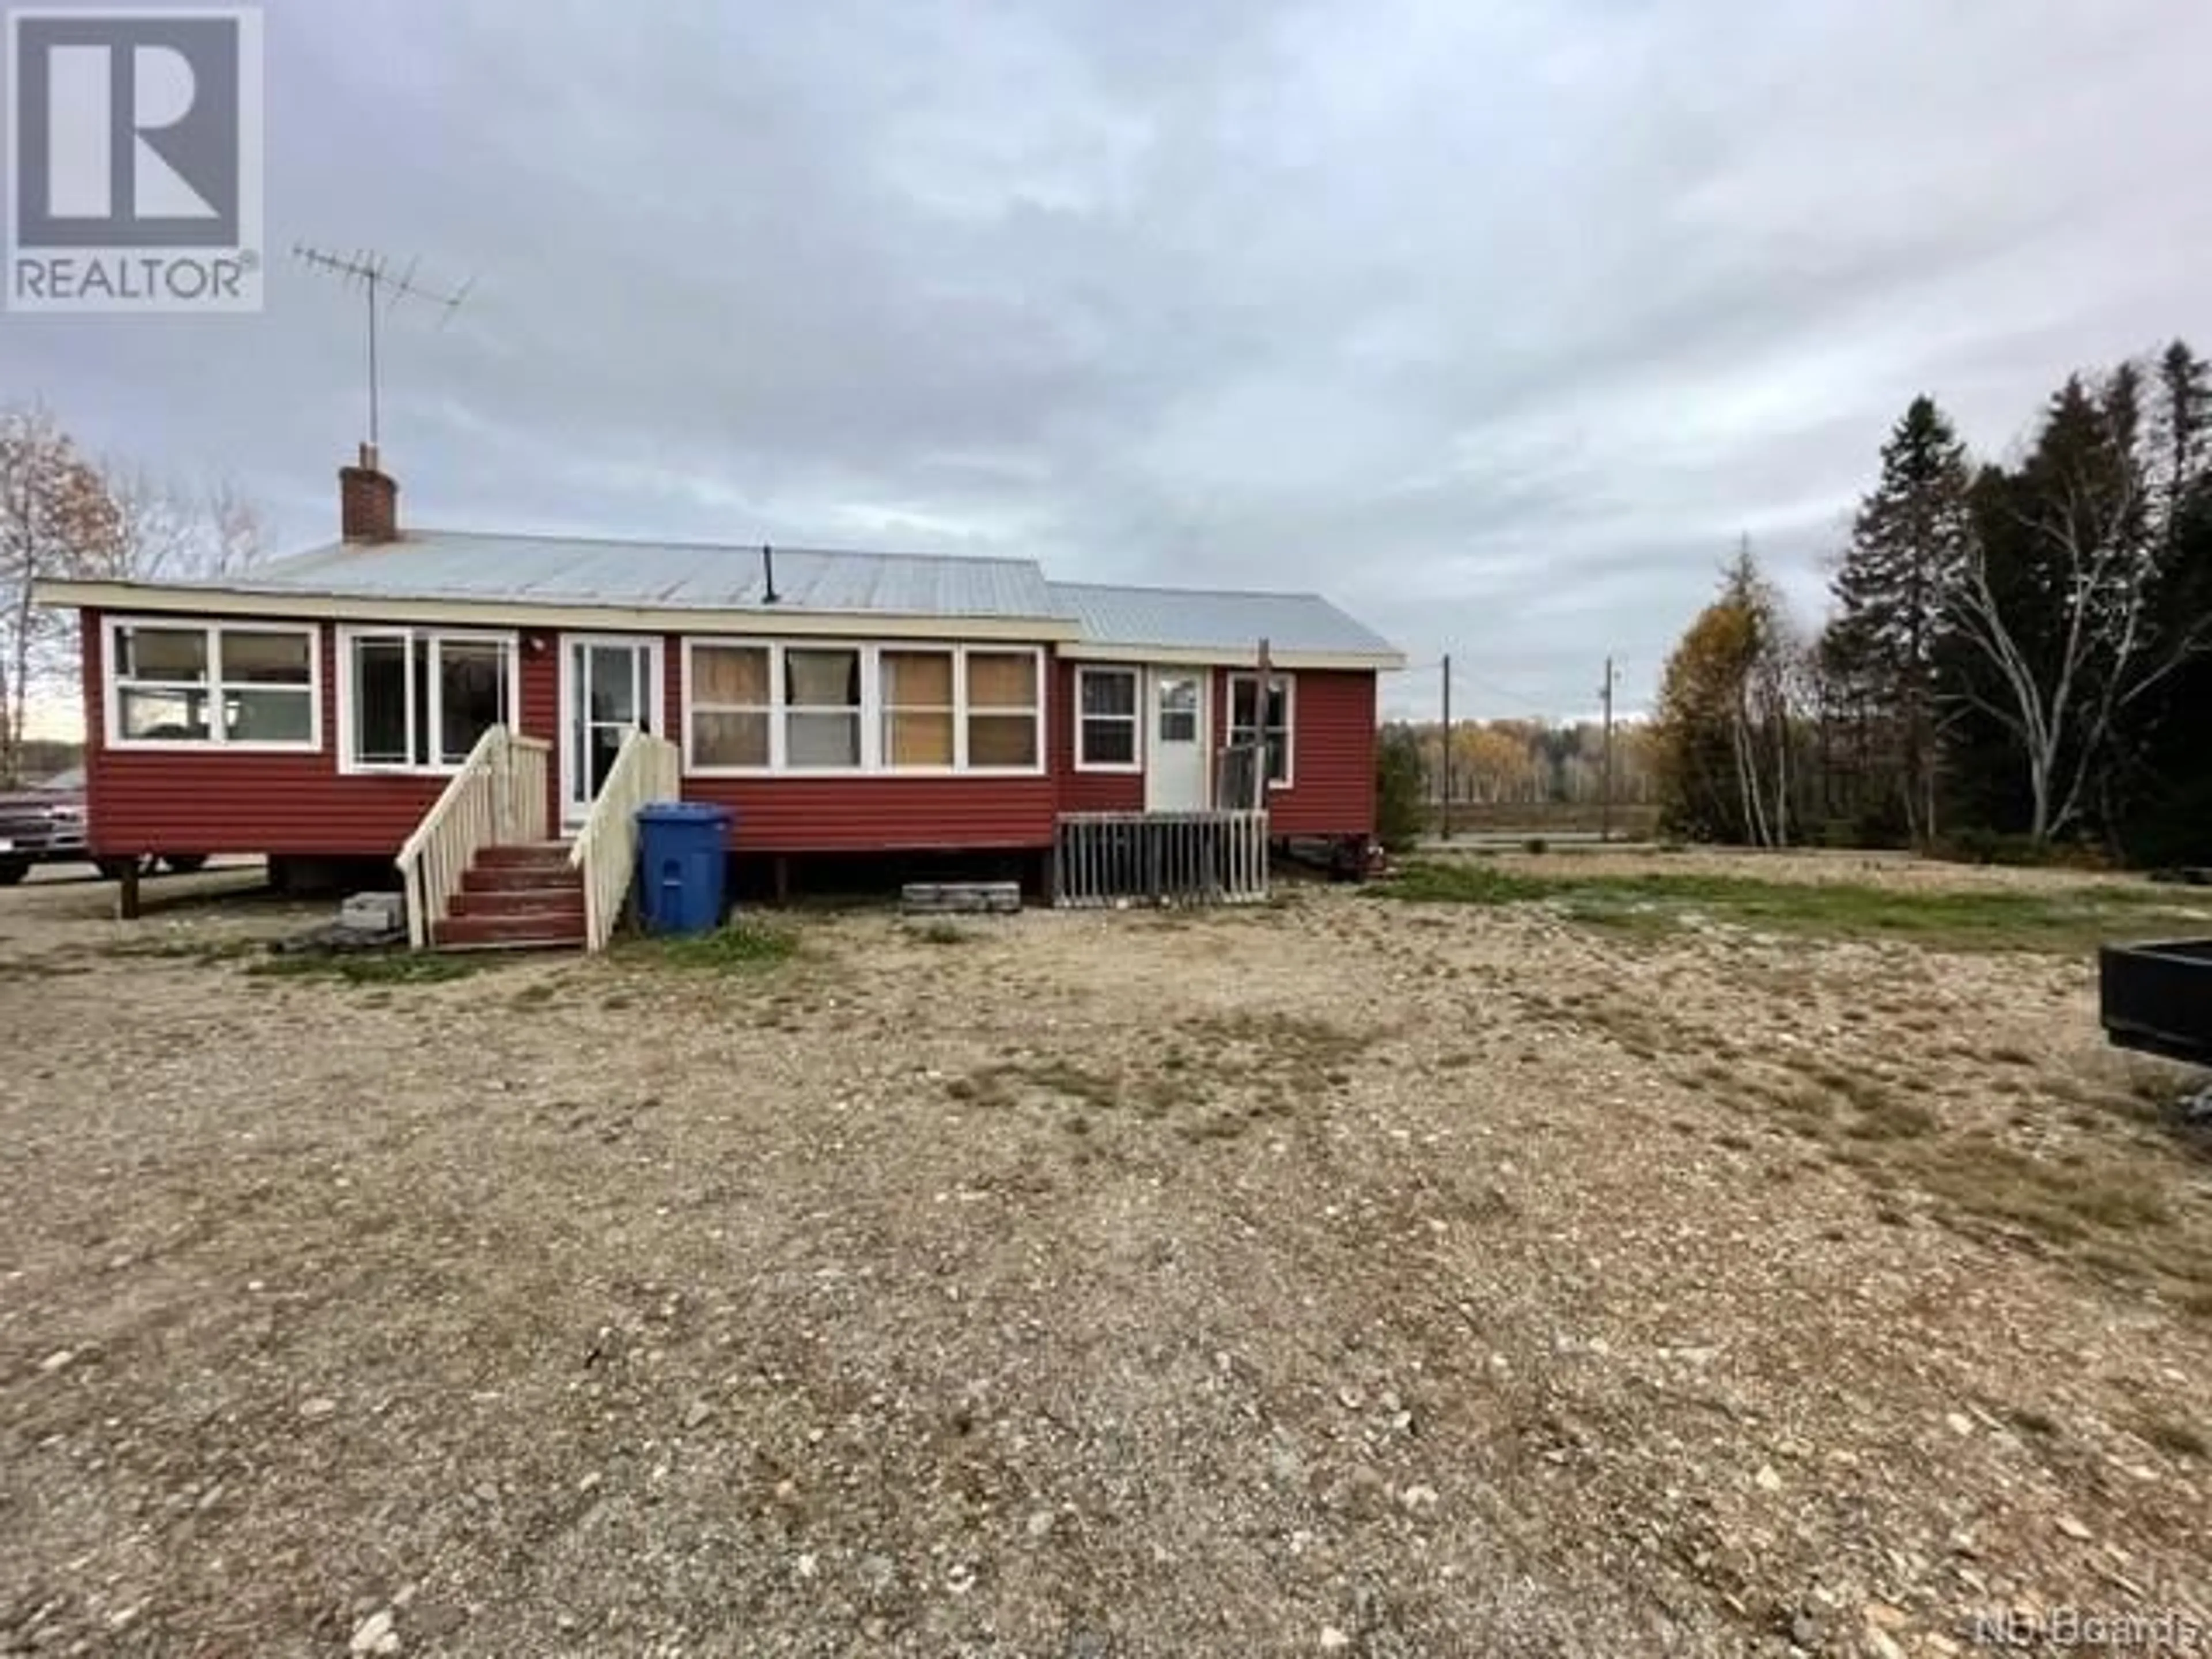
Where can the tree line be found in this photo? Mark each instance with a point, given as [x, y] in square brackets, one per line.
[2017, 652]
[65, 515]
[1531, 762]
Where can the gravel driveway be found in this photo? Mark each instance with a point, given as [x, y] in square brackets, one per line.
[1345, 1276]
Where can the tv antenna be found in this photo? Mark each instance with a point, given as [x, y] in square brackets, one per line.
[381, 284]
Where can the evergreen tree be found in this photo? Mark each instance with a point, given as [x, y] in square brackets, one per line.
[1881, 655]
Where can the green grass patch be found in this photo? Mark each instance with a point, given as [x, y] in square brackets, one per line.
[743, 947]
[940, 932]
[397, 968]
[2055, 920]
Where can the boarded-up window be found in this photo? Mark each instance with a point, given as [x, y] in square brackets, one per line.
[1002, 708]
[731, 705]
[917, 708]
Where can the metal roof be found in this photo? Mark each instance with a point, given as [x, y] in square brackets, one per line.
[1182, 618]
[550, 570]
[576, 572]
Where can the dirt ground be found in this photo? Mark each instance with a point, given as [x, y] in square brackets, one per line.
[1347, 1276]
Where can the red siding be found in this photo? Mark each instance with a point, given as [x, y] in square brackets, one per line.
[1332, 789]
[210, 801]
[1089, 792]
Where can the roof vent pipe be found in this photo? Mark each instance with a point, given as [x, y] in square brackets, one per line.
[768, 573]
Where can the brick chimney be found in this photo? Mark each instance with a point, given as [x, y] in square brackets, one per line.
[368, 500]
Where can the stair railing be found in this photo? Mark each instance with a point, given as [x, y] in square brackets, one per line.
[497, 798]
[647, 769]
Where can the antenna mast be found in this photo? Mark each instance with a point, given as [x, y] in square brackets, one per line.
[374, 272]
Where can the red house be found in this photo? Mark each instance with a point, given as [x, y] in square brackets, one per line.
[466, 703]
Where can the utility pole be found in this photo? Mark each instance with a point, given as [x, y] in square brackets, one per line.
[1605, 807]
[1446, 814]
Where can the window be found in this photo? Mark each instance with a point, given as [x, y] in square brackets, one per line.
[417, 701]
[242, 684]
[822, 708]
[731, 704]
[1106, 719]
[776, 707]
[1250, 724]
[1179, 708]
[917, 708]
[1002, 709]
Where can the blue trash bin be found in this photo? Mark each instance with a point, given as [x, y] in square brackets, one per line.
[683, 854]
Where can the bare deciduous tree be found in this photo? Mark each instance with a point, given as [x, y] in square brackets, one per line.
[2098, 576]
[57, 519]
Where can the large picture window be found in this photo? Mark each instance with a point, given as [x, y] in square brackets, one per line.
[763, 705]
[1106, 719]
[418, 700]
[250, 685]
[1254, 720]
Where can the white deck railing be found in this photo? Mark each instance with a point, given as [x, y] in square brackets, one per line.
[1160, 858]
[497, 798]
[646, 770]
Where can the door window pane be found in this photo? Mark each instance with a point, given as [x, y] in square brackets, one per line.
[614, 689]
[1179, 710]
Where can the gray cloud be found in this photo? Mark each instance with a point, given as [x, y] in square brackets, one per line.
[1497, 324]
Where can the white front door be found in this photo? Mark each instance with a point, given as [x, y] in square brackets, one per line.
[609, 687]
[1175, 762]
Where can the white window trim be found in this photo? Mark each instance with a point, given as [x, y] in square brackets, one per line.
[350, 764]
[112, 684]
[1290, 721]
[872, 763]
[1136, 718]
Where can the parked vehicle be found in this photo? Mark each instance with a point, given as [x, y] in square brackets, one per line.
[46, 825]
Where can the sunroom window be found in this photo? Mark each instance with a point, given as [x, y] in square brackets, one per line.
[822, 708]
[237, 684]
[422, 701]
[917, 708]
[731, 704]
[1002, 708]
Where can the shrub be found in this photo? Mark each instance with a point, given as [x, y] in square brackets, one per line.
[1401, 781]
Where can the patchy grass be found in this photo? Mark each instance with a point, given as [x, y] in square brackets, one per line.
[743, 947]
[396, 967]
[2064, 920]
[940, 932]
[199, 951]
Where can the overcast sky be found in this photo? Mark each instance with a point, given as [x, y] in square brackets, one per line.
[1498, 323]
